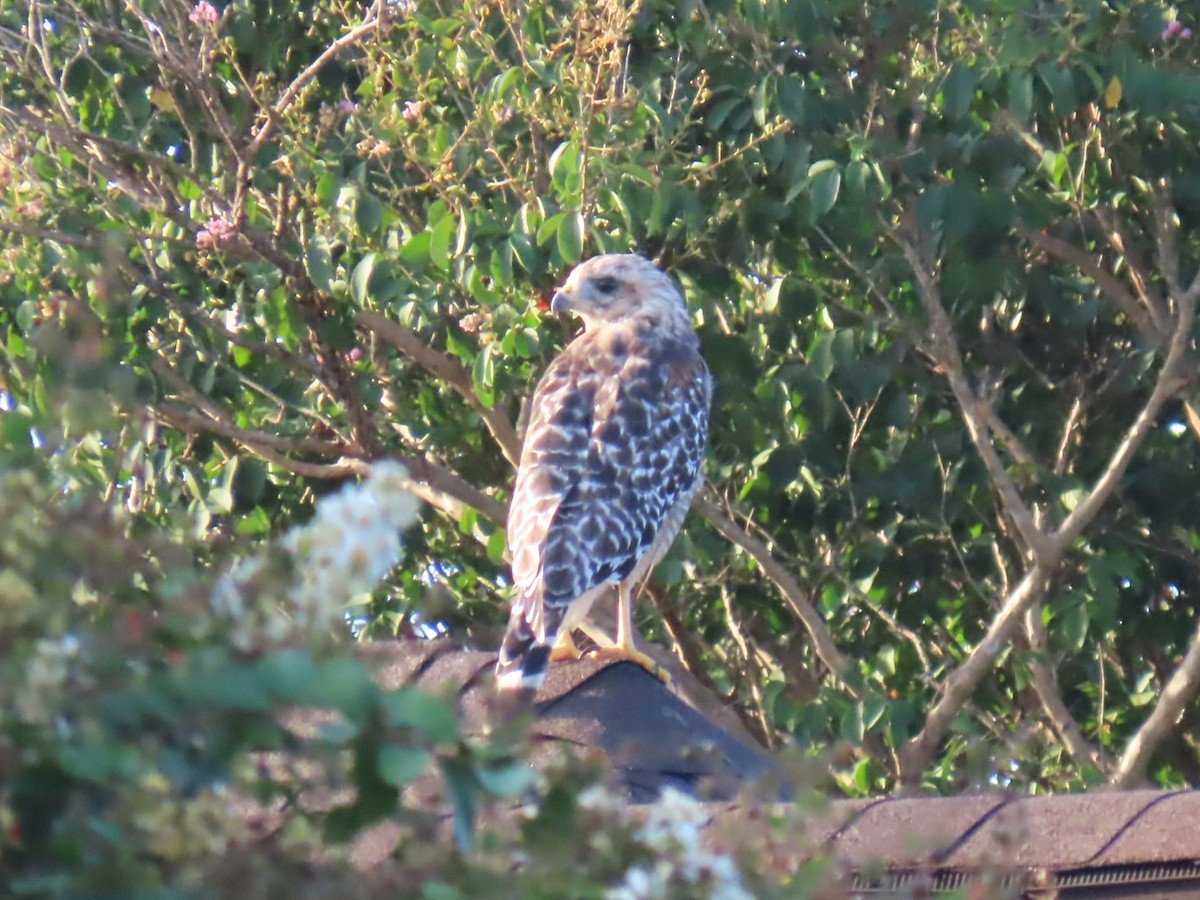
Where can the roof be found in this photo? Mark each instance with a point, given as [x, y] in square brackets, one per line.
[1101, 844]
[648, 736]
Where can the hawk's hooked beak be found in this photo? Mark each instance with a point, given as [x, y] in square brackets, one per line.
[560, 303]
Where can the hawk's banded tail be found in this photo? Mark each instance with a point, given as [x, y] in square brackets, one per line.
[523, 657]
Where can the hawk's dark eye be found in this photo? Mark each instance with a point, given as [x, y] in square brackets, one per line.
[605, 285]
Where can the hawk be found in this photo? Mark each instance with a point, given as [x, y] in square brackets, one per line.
[610, 463]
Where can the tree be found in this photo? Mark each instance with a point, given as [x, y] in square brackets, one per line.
[942, 257]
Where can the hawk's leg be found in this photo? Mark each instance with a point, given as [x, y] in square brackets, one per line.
[565, 647]
[622, 647]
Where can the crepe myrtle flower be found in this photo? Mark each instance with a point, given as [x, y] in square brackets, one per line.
[1175, 30]
[204, 13]
[216, 231]
[349, 546]
[672, 832]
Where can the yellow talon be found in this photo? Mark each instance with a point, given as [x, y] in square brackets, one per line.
[637, 657]
[565, 648]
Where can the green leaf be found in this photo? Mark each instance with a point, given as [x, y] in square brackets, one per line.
[549, 228]
[345, 685]
[319, 262]
[464, 794]
[417, 248]
[1020, 94]
[400, 765]
[1072, 626]
[496, 545]
[570, 236]
[229, 686]
[430, 714]
[289, 674]
[368, 213]
[506, 781]
[441, 240]
[958, 91]
[564, 166]
[360, 278]
[525, 252]
[825, 179]
[439, 890]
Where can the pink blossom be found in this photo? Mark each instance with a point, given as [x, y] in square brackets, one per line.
[1172, 29]
[346, 107]
[204, 13]
[471, 322]
[1185, 34]
[354, 354]
[215, 231]
[412, 110]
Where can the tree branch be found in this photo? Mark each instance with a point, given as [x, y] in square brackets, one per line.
[944, 348]
[449, 370]
[793, 595]
[292, 92]
[439, 486]
[961, 684]
[1109, 285]
[1178, 692]
[1045, 685]
[1167, 385]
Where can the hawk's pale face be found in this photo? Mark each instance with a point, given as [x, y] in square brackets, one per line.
[617, 286]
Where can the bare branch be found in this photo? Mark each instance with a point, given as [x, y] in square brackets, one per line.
[793, 595]
[291, 93]
[1177, 694]
[962, 682]
[1167, 385]
[186, 420]
[46, 234]
[1045, 685]
[449, 370]
[438, 486]
[1110, 286]
[944, 349]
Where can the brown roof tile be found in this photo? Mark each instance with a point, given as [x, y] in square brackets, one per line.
[1167, 829]
[453, 672]
[396, 661]
[912, 831]
[1055, 832]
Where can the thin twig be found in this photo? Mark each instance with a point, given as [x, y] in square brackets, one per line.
[1109, 285]
[292, 92]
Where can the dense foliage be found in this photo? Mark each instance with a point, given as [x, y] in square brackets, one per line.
[942, 259]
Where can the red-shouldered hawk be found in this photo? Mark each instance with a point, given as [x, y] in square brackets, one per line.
[611, 459]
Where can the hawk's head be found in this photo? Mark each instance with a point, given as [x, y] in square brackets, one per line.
[616, 286]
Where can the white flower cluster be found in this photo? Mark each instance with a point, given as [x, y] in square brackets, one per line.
[672, 831]
[350, 545]
[45, 676]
